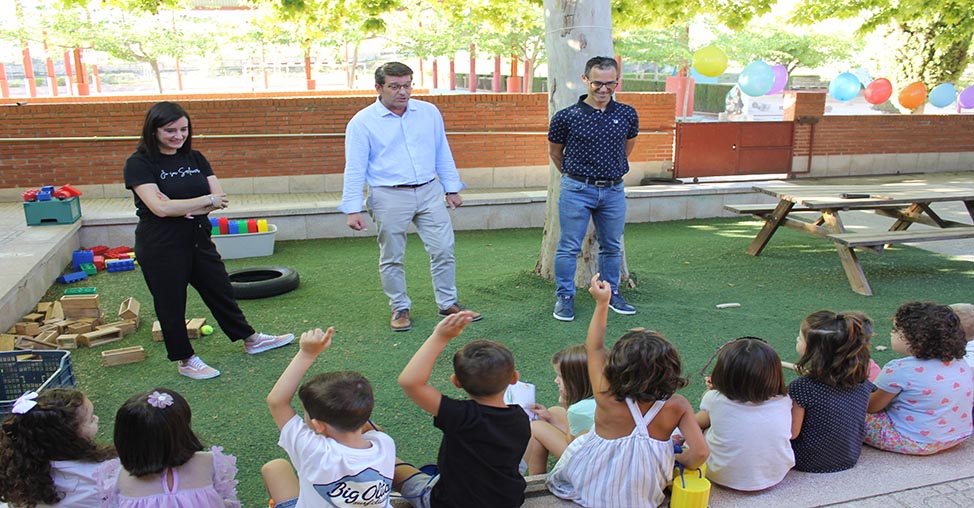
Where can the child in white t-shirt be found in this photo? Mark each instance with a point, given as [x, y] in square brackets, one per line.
[746, 414]
[341, 458]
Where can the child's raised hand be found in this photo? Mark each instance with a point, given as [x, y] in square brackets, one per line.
[451, 326]
[315, 341]
[541, 411]
[600, 290]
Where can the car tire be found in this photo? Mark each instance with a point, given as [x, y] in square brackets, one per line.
[263, 281]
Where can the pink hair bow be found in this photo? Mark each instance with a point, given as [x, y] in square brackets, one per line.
[160, 400]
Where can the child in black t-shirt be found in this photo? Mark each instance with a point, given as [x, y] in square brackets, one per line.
[483, 438]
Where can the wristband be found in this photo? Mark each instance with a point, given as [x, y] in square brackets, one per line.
[452, 193]
[212, 203]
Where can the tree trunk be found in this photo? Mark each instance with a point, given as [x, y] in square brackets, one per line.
[576, 31]
[154, 63]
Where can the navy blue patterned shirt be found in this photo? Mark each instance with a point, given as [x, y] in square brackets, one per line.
[595, 140]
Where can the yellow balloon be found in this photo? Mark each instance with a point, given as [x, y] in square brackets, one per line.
[710, 61]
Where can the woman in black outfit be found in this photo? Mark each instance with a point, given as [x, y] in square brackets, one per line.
[175, 189]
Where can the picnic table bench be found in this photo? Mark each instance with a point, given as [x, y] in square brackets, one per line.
[908, 203]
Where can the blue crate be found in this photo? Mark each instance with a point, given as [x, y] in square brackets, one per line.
[44, 369]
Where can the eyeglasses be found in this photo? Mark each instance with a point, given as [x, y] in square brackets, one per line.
[703, 371]
[611, 85]
[395, 87]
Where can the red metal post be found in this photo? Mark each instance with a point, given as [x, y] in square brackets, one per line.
[435, 77]
[68, 72]
[4, 86]
[473, 69]
[84, 88]
[453, 74]
[495, 82]
[29, 70]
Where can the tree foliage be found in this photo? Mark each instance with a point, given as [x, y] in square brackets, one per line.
[788, 47]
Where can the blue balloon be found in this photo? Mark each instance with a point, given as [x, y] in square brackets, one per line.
[942, 95]
[845, 87]
[756, 79]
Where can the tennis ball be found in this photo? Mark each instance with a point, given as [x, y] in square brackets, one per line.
[206, 329]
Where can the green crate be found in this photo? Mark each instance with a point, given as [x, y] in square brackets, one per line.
[55, 211]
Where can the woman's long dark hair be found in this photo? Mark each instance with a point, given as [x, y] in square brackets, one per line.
[159, 115]
[30, 441]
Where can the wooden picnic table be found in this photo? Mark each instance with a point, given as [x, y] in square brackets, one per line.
[907, 202]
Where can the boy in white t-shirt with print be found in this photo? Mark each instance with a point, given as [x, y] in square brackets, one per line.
[342, 460]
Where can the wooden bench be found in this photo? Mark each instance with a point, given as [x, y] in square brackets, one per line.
[760, 209]
[904, 236]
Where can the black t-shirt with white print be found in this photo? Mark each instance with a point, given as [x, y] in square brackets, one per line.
[179, 176]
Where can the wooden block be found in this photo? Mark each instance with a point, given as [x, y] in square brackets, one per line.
[78, 327]
[80, 306]
[193, 327]
[56, 312]
[122, 356]
[127, 326]
[44, 307]
[28, 328]
[59, 324]
[157, 331]
[7, 342]
[129, 308]
[67, 341]
[48, 336]
[36, 317]
[98, 337]
[26, 342]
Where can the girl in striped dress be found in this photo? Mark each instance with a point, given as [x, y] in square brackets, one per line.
[627, 459]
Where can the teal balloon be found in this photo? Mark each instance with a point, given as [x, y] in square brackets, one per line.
[756, 79]
[942, 95]
[845, 87]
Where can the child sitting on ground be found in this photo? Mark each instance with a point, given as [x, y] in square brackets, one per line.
[341, 459]
[48, 454]
[483, 438]
[965, 312]
[828, 417]
[557, 426]
[923, 404]
[747, 415]
[627, 458]
[163, 464]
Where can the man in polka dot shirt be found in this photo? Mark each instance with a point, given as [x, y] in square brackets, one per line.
[589, 143]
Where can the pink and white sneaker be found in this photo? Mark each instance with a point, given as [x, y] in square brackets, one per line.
[261, 342]
[194, 368]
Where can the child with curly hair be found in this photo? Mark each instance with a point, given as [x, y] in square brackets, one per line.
[48, 453]
[923, 404]
[828, 417]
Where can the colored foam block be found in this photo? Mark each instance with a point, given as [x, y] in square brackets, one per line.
[241, 226]
[99, 262]
[251, 225]
[68, 278]
[81, 257]
[232, 227]
[120, 265]
[261, 225]
[89, 268]
[81, 291]
[43, 196]
[224, 224]
[99, 250]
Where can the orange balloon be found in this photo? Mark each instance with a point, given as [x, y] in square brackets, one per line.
[913, 95]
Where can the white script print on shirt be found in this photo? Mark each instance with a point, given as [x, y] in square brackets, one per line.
[182, 172]
[367, 488]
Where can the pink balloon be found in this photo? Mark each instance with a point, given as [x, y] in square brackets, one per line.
[878, 91]
[966, 98]
[780, 79]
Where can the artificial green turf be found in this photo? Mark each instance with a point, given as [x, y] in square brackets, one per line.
[683, 270]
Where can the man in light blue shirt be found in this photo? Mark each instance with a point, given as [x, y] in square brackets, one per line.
[398, 147]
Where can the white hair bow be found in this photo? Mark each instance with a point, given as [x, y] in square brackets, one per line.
[24, 403]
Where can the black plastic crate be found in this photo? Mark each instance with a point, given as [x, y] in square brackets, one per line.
[24, 371]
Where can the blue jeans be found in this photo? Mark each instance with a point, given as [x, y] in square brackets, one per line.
[606, 207]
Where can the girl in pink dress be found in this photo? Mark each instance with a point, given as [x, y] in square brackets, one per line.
[161, 461]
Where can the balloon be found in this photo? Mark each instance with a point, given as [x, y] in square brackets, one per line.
[913, 95]
[966, 98]
[710, 61]
[942, 95]
[756, 79]
[780, 79]
[878, 91]
[844, 87]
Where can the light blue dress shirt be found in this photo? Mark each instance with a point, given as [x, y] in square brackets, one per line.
[383, 149]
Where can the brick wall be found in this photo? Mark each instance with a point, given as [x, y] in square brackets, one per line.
[892, 134]
[237, 134]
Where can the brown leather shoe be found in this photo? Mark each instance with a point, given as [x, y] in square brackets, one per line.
[456, 307]
[400, 321]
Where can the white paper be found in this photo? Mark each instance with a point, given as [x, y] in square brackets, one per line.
[522, 394]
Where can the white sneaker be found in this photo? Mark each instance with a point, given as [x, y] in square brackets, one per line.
[262, 342]
[194, 368]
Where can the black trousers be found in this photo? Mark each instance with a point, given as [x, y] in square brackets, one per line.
[173, 254]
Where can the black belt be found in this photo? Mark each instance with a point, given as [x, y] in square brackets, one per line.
[412, 185]
[595, 182]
